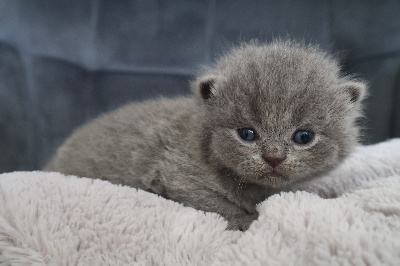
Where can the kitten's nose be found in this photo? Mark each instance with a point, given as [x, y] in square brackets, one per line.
[273, 161]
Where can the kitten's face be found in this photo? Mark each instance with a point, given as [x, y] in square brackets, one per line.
[275, 115]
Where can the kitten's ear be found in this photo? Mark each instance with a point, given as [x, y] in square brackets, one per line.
[205, 87]
[356, 91]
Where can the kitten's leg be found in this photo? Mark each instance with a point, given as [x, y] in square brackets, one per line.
[242, 222]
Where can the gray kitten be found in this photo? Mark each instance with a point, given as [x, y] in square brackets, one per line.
[264, 117]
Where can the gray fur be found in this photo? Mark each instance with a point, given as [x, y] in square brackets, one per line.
[188, 150]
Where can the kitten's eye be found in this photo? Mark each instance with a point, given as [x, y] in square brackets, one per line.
[247, 134]
[303, 136]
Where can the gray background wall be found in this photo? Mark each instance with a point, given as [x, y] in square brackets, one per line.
[64, 62]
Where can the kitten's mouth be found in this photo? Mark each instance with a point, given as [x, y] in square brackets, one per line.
[276, 171]
[275, 178]
[276, 174]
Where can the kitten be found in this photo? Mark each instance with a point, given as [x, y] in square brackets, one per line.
[264, 117]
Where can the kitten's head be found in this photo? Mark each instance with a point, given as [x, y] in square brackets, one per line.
[275, 114]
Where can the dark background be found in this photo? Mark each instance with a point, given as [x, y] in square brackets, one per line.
[64, 62]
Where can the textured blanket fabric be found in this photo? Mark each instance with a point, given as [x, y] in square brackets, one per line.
[52, 219]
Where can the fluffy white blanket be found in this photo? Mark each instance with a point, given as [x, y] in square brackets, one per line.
[49, 218]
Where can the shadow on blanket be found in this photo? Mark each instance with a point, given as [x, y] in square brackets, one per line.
[49, 218]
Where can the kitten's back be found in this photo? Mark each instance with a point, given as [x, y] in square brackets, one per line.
[124, 142]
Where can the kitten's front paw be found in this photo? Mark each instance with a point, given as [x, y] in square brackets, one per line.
[242, 223]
